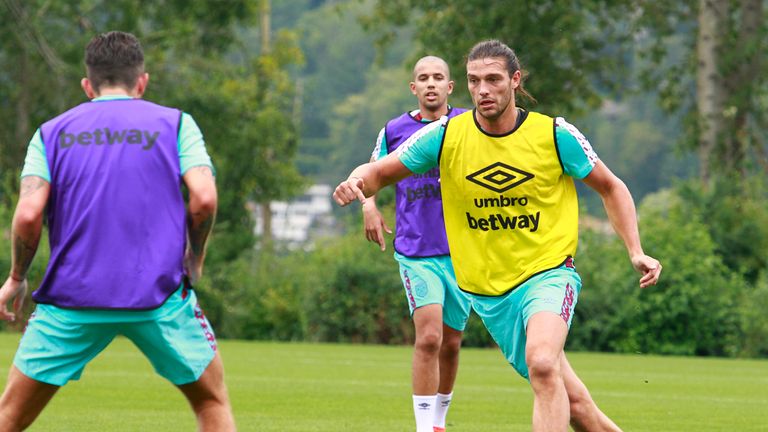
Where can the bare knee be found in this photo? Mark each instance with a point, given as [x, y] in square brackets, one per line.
[583, 409]
[428, 341]
[580, 411]
[543, 368]
[450, 346]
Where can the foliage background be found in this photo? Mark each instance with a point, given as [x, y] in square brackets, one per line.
[309, 108]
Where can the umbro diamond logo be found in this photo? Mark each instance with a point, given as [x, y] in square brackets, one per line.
[499, 177]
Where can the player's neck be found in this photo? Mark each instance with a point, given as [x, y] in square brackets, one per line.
[502, 124]
[433, 115]
[117, 91]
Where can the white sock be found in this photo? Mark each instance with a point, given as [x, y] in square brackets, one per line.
[442, 403]
[424, 410]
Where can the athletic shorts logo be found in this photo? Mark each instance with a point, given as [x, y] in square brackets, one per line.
[408, 292]
[499, 177]
[567, 307]
[205, 326]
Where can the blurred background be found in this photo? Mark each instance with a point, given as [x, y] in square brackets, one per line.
[290, 95]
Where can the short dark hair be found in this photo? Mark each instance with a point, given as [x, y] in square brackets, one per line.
[496, 48]
[114, 58]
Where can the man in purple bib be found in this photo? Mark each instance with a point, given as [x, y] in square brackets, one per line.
[110, 173]
[439, 309]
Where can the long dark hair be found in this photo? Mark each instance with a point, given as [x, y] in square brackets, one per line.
[497, 48]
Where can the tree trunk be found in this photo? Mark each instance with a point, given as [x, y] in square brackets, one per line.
[21, 134]
[266, 211]
[709, 89]
[746, 80]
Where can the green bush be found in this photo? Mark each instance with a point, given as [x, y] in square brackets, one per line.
[693, 309]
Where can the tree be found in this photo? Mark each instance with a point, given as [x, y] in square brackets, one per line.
[41, 49]
[566, 51]
[705, 58]
[718, 80]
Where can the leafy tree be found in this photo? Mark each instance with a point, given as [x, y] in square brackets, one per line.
[564, 49]
[713, 71]
[42, 42]
[691, 311]
[244, 104]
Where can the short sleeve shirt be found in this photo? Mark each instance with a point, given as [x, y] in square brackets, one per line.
[192, 151]
[421, 152]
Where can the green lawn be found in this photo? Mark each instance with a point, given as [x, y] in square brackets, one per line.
[306, 387]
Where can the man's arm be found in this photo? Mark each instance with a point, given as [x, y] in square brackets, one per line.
[420, 153]
[373, 222]
[26, 228]
[201, 214]
[367, 179]
[621, 212]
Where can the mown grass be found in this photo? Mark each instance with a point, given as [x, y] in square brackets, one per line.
[326, 387]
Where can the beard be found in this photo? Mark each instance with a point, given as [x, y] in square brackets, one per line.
[495, 114]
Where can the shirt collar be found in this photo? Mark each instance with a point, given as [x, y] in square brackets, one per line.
[111, 97]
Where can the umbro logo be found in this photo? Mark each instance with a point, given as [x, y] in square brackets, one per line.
[499, 177]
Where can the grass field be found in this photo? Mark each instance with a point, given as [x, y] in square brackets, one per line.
[317, 387]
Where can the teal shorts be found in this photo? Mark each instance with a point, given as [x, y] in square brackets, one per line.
[506, 317]
[432, 281]
[176, 338]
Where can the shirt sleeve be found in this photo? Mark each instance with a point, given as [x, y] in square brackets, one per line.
[575, 151]
[421, 151]
[192, 151]
[380, 150]
[36, 163]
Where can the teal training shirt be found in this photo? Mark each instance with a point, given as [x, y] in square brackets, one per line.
[192, 153]
[192, 150]
[380, 149]
[420, 152]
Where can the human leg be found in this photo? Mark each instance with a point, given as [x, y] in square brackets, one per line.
[53, 350]
[182, 348]
[585, 414]
[428, 323]
[530, 324]
[546, 334]
[456, 310]
[22, 401]
[209, 399]
[425, 294]
[449, 358]
[448, 366]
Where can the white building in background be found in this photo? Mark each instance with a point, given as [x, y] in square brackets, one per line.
[297, 222]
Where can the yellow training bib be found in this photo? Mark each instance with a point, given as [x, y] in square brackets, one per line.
[510, 210]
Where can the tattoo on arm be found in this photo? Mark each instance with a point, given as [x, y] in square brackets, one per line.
[199, 229]
[30, 185]
[204, 170]
[23, 253]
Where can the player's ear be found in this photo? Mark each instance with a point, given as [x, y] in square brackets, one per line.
[141, 84]
[450, 86]
[516, 77]
[413, 88]
[85, 83]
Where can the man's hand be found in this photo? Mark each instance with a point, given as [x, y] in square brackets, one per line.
[15, 290]
[375, 226]
[649, 267]
[349, 190]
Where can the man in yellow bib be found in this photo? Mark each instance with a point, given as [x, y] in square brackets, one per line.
[511, 215]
